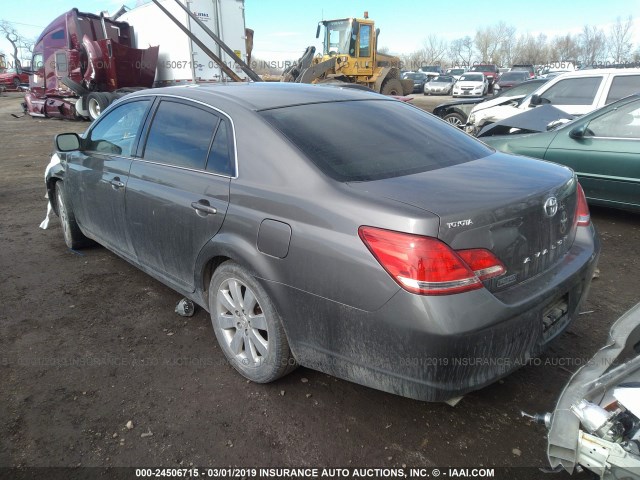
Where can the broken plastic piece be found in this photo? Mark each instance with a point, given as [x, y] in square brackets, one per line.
[185, 308]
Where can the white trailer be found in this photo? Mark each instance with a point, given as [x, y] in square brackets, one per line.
[181, 60]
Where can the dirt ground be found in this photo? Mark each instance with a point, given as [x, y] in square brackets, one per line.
[89, 343]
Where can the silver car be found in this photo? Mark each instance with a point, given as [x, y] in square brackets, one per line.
[334, 228]
[441, 85]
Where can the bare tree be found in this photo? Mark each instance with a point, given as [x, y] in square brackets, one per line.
[619, 39]
[592, 45]
[532, 50]
[22, 46]
[434, 50]
[11, 34]
[564, 48]
[489, 40]
[461, 51]
[507, 46]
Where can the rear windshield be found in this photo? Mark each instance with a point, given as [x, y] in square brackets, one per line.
[373, 139]
[514, 75]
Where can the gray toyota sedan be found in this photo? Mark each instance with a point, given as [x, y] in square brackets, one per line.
[334, 228]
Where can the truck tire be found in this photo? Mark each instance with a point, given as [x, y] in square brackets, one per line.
[96, 103]
[391, 86]
[16, 83]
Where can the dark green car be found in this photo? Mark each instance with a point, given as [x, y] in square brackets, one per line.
[603, 148]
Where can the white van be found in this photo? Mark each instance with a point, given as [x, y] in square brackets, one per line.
[576, 93]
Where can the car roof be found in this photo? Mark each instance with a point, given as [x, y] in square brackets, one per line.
[267, 95]
[597, 71]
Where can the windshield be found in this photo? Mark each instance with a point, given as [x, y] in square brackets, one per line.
[455, 71]
[470, 77]
[442, 79]
[428, 68]
[338, 38]
[401, 139]
[523, 89]
[415, 76]
[514, 76]
[483, 68]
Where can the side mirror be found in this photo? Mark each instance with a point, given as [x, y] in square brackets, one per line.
[68, 142]
[318, 31]
[578, 132]
[538, 100]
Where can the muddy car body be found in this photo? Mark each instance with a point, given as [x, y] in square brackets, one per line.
[364, 262]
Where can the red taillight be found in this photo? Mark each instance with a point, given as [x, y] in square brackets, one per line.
[427, 266]
[583, 217]
[483, 263]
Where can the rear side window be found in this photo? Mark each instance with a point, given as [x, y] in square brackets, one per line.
[180, 135]
[622, 86]
[573, 91]
[373, 139]
[220, 157]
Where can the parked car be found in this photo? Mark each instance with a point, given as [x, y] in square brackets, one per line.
[441, 85]
[336, 229]
[456, 112]
[510, 79]
[13, 78]
[490, 71]
[455, 72]
[419, 80]
[576, 93]
[602, 147]
[471, 85]
[525, 67]
[431, 70]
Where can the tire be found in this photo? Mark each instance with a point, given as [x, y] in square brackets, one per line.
[96, 103]
[392, 86]
[16, 83]
[73, 237]
[454, 119]
[247, 325]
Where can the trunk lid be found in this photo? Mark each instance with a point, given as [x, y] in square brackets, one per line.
[501, 203]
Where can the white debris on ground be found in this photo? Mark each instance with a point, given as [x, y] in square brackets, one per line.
[55, 159]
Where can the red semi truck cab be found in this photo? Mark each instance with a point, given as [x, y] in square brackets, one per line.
[82, 62]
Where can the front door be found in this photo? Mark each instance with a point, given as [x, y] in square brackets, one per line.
[97, 175]
[607, 157]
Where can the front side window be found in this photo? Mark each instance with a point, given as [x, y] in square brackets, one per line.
[400, 139]
[117, 131]
[573, 91]
[180, 135]
[622, 86]
[365, 40]
[623, 122]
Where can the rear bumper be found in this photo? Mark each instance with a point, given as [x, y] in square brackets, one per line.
[436, 348]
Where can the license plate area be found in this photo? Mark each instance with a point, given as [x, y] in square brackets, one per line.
[554, 318]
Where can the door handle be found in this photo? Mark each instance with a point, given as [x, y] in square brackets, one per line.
[116, 183]
[204, 208]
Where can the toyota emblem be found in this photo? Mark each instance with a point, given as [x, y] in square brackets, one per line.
[550, 207]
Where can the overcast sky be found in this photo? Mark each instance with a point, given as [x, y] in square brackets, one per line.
[283, 28]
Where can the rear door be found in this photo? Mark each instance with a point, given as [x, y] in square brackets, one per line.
[607, 158]
[178, 191]
[97, 176]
